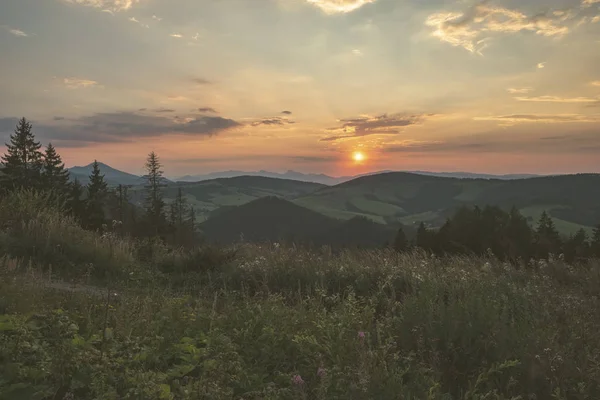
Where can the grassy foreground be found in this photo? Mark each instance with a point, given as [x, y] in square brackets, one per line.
[267, 322]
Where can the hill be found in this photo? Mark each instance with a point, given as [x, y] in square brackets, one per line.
[208, 196]
[330, 180]
[274, 219]
[394, 197]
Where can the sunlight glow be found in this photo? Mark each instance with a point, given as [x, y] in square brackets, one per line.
[358, 156]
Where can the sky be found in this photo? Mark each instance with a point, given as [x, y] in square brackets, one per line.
[498, 86]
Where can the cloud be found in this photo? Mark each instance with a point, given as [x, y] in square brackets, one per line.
[339, 6]
[272, 121]
[58, 118]
[133, 19]
[124, 126]
[519, 90]
[472, 29]
[16, 32]
[154, 17]
[164, 110]
[595, 83]
[201, 81]
[207, 110]
[76, 83]
[557, 99]
[313, 159]
[110, 5]
[368, 125]
[176, 35]
[542, 118]
[541, 65]
[290, 113]
[8, 124]
[498, 142]
[588, 3]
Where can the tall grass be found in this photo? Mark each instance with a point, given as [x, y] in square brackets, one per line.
[273, 322]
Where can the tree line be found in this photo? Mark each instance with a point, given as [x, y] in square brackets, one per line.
[96, 206]
[505, 234]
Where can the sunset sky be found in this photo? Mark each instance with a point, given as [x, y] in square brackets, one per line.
[500, 86]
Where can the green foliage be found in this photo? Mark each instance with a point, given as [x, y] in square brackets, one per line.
[55, 176]
[155, 205]
[97, 191]
[34, 228]
[23, 158]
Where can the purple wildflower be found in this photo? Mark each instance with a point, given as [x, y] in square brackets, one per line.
[321, 372]
[297, 380]
[361, 335]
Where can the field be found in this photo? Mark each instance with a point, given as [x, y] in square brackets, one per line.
[274, 322]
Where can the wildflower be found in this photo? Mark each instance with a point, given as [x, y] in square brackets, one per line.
[297, 380]
[361, 335]
[321, 372]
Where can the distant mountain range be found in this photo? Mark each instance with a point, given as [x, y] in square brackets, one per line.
[330, 180]
[116, 177]
[112, 176]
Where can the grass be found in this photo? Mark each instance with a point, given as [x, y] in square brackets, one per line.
[268, 322]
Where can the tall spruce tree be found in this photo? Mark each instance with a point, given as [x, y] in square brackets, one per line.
[97, 190]
[55, 176]
[23, 158]
[155, 205]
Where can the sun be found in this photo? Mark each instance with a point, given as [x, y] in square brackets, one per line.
[358, 156]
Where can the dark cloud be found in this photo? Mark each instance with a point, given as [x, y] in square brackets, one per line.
[207, 110]
[142, 109]
[379, 125]
[122, 127]
[8, 124]
[273, 121]
[286, 112]
[58, 118]
[499, 142]
[164, 110]
[201, 81]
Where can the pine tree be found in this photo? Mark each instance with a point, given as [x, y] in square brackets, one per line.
[23, 159]
[155, 204]
[547, 237]
[55, 176]
[400, 241]
[76, 204]
[519, 235]
[97, 190]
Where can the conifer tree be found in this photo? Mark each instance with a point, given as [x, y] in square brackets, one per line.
[595, 242]
[400, 241]
[76, 204]
[23, 158]
[55, 176]
[547, 237]
[155, 204]
[97, 190]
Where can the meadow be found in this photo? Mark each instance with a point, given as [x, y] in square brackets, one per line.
[90, 316]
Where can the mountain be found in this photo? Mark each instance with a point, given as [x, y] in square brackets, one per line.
[274, 219]
[210, 195]
[293, 175]
[409, 198]
[331, 181]
[113, 177]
